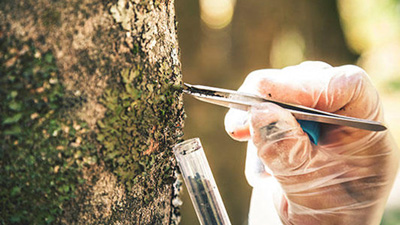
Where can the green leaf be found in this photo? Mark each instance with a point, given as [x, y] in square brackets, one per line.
[65, 188]
[113, 154]
[11, 78]
[15, 190]
[100, 137]
[13, 94]
[15, 218]
[13, 119]
[48, 58]
[101, 124]
[128, 74]
[15, 130]
[49, 219]
[15, 105]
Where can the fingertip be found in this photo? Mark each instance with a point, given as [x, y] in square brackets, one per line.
[236, 125]
[240, 133]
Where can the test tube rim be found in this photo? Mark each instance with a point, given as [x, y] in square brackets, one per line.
[179, 148]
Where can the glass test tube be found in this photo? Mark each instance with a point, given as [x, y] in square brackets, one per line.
[200, 183]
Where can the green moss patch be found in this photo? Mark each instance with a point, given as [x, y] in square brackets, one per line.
[41, 150]
[140, 126]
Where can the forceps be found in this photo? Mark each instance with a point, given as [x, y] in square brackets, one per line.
[244, 101]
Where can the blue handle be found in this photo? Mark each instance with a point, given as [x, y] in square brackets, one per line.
[311, 128]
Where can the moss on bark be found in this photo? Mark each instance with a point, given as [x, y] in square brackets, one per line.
[119, 114]
[41, 156]
[139, 111]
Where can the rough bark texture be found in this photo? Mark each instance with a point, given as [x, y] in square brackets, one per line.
[114, 112]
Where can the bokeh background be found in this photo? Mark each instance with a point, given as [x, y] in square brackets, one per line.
[222, 41]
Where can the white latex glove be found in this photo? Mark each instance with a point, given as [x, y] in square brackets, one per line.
[346, 178]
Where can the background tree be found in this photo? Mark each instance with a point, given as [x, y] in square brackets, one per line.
[89, 109]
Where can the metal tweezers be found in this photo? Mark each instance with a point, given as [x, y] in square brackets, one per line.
[244, 101]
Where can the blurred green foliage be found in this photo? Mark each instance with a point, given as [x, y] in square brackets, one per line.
[40, 148]
[393, 85]
[391, 217]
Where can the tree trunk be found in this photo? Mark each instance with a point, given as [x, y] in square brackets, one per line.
[90, 109]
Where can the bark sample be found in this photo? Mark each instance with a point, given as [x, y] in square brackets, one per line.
[90, 109]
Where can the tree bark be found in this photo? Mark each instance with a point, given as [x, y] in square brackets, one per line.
[90, 109]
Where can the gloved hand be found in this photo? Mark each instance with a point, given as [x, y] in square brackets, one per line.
[347, 177]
